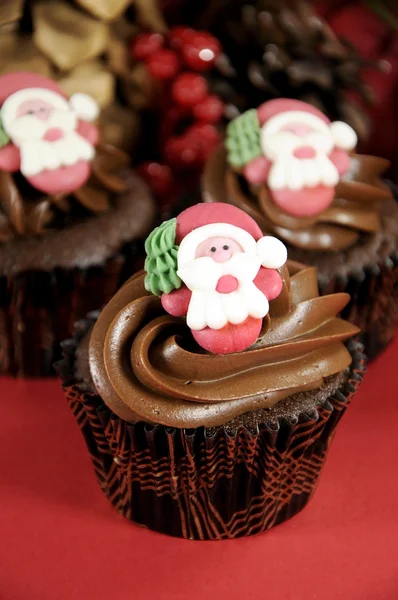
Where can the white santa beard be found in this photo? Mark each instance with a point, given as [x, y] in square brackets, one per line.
[41, 155]
[209, 308]
[290, 172]
[215, 310]
[202, 274]
[29, 127]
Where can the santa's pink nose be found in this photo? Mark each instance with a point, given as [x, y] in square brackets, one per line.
[220, 255]
[53, 134]
[43, 114]
[227, 284]
[304, 152]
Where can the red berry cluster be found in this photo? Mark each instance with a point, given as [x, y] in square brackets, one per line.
[177, 63]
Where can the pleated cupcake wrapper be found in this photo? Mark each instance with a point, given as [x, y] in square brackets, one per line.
[373, 305]
[206, 484]
[38, 309]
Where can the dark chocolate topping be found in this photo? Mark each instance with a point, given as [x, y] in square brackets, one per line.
[355, 209]
[89, 241]
[146, 366]
[25, 211]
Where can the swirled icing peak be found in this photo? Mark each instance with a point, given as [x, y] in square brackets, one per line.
[146, 365]
[243, 331]
[26, 211]
[295, 172]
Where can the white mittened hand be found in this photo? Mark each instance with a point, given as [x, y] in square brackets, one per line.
[272, 252]
[84, 106]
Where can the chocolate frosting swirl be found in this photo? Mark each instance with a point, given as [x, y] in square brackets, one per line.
[146, 366]
[355, 210]
[25, 211]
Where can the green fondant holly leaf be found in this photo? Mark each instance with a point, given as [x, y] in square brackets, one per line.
[161, 260]
[243, 139]
[4, 139]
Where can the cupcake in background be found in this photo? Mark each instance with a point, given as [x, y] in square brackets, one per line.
[208, 389]
[72, 214]
[297, 174]
[84, 46]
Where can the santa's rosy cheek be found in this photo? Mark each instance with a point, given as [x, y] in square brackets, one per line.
[341, 160]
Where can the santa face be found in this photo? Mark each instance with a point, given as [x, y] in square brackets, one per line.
[220, 278]
[38, 119]
[298, 145]
[228, 273]
[43, 126]
[220, 249]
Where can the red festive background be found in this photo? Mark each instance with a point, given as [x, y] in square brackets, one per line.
[61, 540]
[372, 27]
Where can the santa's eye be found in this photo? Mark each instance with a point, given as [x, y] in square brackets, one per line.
[30, 112]
[213, 249]
[225, 247]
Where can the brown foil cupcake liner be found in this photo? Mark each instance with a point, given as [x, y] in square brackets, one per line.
[206, 484]
[374, 303]
[38, 309]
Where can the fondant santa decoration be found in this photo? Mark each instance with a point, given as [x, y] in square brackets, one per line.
[295, 150]
[213, 265]
[44, 135]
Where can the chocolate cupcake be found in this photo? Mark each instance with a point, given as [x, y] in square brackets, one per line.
[212, 424]
[72, 215]
[297, 175]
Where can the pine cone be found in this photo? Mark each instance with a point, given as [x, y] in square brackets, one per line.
[280, 48]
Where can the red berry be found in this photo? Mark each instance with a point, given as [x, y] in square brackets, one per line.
[201, 52]
[206, 136]
[205, 133]
[178, 36]
[189, 89]
[171, 117]
[209, 110]
[145, 44]
[157, 175]
[163, 64]
[182, 151]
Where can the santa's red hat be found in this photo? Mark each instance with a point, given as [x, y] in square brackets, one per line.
[14, 85]
[214, 212]
[274, 107]
[216, 219]
[276, 113]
